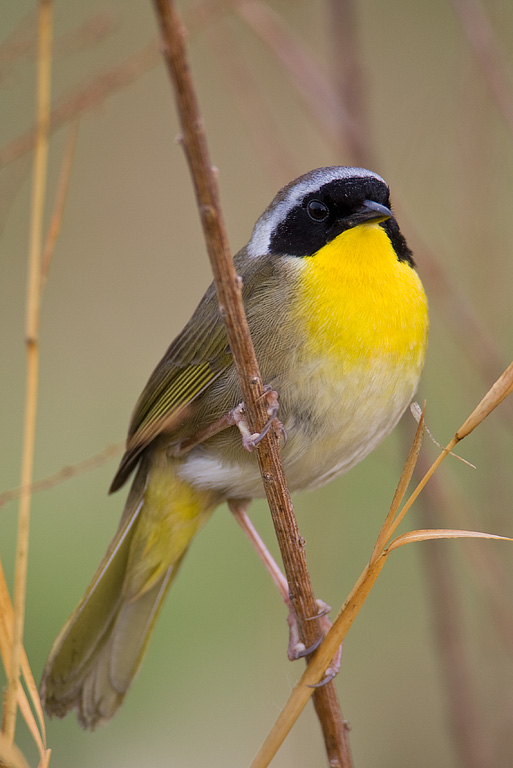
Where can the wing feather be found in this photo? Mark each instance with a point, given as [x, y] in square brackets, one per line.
[193, 361]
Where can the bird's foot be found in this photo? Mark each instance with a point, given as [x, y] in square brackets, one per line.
[297, 650]
[250, 440]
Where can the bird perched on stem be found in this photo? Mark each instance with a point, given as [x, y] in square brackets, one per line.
[339, 321]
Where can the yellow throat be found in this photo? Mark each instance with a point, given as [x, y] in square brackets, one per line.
[359, 302]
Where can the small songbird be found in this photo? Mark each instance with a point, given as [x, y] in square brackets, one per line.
[339, 321]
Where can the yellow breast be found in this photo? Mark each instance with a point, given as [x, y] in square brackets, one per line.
[364, 319]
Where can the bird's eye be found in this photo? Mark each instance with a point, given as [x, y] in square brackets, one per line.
[317, 210]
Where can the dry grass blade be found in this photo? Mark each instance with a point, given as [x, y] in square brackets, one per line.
[45, 759]
[33, 303]
[404, 481]
[347, 614]
[494, 397]
[37, 730]
[10, 754]
[416, 411]
[430, 534]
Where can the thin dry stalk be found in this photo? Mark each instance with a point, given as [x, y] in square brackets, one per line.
[404, 481]
[85, 98]
[349, 80]
[66, 473]
[60, 199]
[32, 330]
[229, 296]
[10, 755]
[37, 729]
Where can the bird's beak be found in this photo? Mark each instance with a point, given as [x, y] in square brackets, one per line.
[370, 211]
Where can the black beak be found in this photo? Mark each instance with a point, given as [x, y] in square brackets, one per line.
[370, 211]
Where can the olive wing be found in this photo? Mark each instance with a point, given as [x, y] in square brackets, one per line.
[193, 361]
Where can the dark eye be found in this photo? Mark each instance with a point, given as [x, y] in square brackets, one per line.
[317, 210]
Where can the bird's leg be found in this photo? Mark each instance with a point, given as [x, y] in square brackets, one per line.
[238, 508]
[236, 417]
[184, 446]
[296, 649]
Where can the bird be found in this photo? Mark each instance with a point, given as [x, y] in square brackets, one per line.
[339, 321]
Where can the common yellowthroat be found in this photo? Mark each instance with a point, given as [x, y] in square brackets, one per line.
[339, 321]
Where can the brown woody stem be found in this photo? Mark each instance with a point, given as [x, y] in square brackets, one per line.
[228, 286]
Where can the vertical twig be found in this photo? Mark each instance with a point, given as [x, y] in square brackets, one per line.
[32, 330]
[349, 81]
[228, 287]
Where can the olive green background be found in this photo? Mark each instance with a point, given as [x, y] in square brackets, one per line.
[129, 268]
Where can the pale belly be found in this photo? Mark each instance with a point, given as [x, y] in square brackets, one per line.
[331, 426]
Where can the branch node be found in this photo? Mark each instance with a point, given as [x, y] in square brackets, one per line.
[208, 212]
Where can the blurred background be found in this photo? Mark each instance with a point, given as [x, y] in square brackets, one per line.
[423, 94]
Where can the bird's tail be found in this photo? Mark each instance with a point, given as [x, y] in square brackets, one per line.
[98, 651]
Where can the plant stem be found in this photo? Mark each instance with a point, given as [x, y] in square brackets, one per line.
[228, 287]
[32, 330]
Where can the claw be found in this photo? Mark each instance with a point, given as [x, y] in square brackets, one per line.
[332, 671]
[328, 677]
[324, 609]
[250, 440]
[334, 668]
[301, 653]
